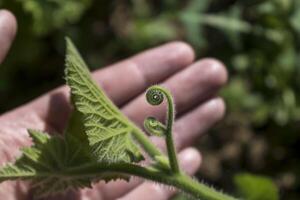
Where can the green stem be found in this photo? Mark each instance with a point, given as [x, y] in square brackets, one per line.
[179, 181]
[169, 137]
[155, 96]
[145, 142]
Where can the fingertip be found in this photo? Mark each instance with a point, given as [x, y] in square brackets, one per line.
[215, 71]
[218, 107]
[161, 62]
[8, 23]
[190, 160]
[213, 111]
[184, 51]
[8, 29]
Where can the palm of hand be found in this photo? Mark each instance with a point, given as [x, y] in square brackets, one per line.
[193, 85]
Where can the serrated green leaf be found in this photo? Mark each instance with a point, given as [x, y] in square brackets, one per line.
[48, 162]
[97, 134]
[44, 163]
[109, 132]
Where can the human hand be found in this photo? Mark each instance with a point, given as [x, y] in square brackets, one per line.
[193, 85]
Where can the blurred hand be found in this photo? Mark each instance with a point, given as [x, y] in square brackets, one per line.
[193, 84]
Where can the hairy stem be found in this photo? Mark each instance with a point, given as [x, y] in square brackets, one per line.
[153, 92]
[179, 181]
[146, 144]
[169, 137]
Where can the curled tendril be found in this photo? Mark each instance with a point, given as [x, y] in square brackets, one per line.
[154, 127]
[154, 96]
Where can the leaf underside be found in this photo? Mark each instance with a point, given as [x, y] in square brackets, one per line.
[97, 133]
[109, 132]
[45, 163]
[49, 163]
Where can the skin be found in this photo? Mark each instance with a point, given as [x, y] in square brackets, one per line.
[194, 85]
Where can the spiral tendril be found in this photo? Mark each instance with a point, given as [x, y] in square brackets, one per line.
[154, 127]
[154, 96]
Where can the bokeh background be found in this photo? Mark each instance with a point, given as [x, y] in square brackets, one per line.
[256, 147]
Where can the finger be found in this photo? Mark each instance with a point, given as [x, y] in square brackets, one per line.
[190, 161]
[8, 28]
[190, 87]
[193, 124]
[122, 81]
[188, 128]
[186, 131]
[127, 79]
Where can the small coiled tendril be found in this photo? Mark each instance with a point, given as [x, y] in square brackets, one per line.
[154, 96]
[154, 127]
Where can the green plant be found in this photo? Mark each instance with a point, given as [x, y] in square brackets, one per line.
[262, 96]
[252, 187]
[100, 143]
[52, 14]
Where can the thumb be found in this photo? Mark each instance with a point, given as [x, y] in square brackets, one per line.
[8, 28]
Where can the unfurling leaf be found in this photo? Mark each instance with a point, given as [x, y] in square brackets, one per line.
[109, 132]
[154, 127]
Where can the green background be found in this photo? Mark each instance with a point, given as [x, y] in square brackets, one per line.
[258, 40]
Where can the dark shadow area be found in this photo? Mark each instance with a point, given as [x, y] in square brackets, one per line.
[59, 110]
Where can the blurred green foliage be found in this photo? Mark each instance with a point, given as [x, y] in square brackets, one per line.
[52, 14]
[258, 40]
[252, 187]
